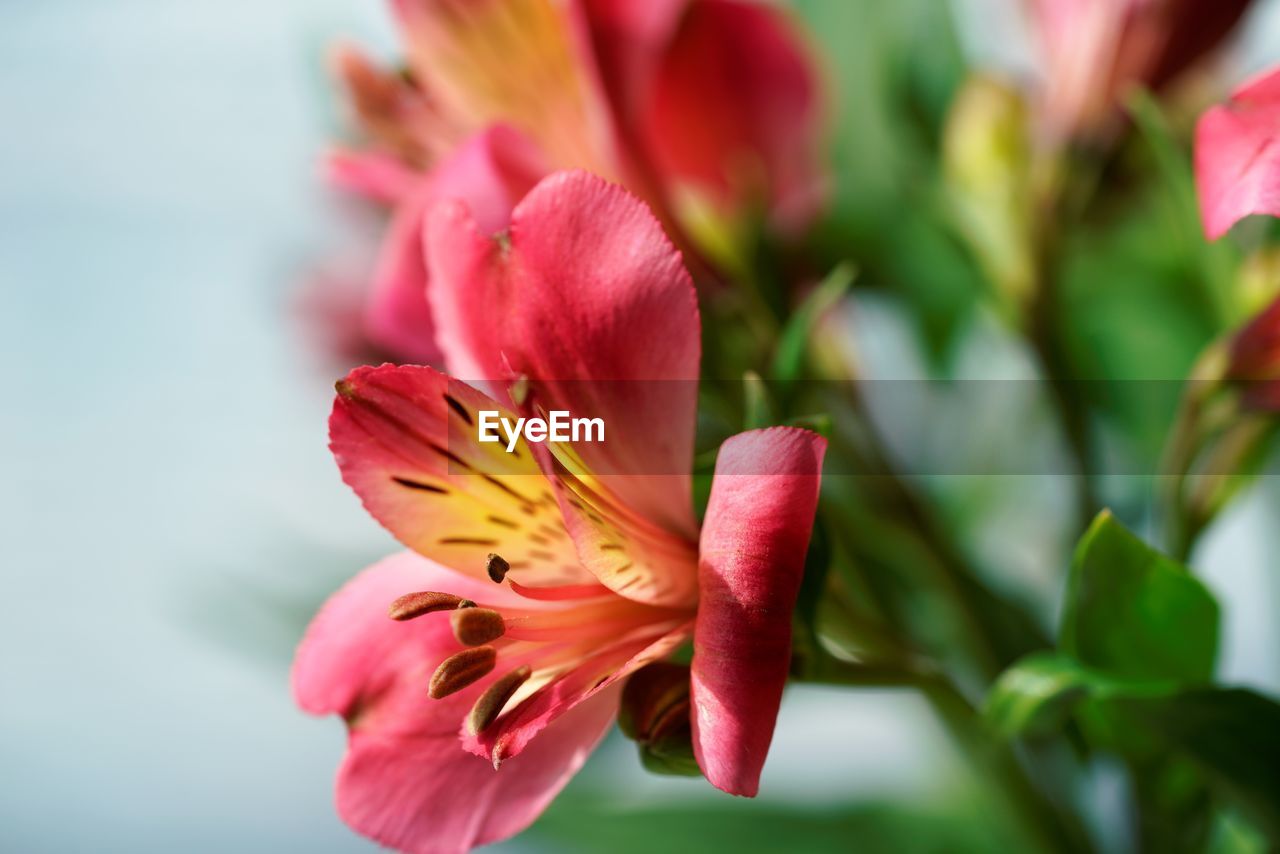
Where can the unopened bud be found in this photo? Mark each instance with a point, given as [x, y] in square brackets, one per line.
[986, 158]
[1255, 360]
[654, 712]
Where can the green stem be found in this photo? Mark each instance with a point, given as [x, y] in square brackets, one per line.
[1046, 340]
[1052, 829]
[949, 565]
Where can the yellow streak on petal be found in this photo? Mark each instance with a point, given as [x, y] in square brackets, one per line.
[512, 61]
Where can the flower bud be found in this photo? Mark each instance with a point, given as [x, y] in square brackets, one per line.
[986, 152]
[1258, 281]
[655, 714]
[1255, 360]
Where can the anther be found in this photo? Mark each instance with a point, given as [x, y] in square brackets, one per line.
[490, 704]
[416, 604]
[475, 626]
[460, 670]
[497, 568]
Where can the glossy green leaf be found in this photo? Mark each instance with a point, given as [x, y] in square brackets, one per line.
[1134, 613]
[1035, 696]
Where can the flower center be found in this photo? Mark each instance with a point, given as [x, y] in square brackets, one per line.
[560, 628]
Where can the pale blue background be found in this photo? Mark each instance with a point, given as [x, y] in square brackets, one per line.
[168, 511]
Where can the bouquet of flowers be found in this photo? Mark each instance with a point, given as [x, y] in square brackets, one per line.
[648, 464]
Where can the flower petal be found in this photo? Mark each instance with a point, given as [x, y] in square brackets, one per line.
[589, 300]
[376, 175]
[734, 109]
[406, 782]
[398, 318]
[394, 113]
[514, 61]
[759, 519]
[629, 40]
[1238, 158]
[594, 675]
[405, 440]
[491, 172]
[357, 662]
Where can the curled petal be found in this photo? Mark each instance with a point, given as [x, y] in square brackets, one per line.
[759, 519]
[1238, 158]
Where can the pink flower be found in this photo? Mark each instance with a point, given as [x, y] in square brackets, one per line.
[1237, 157]
[707, 109]
[1097, 49]
[599, 562]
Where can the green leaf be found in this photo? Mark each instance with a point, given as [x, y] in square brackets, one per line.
[1134, 613]
[788, 361]
[1232, 735]
[1037, 695]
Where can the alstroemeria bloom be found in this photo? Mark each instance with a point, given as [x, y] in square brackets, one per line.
[1097, 49]
[1238, 156]
[575, 564]
[707, 109]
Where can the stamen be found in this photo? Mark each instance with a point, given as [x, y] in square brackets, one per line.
[497, 568]
[416, 604]
[489, 706]
[475, 626]
[460, 670]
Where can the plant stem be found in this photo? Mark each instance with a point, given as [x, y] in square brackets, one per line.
[1046, 340]
[1053, 830]
[949, 566]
